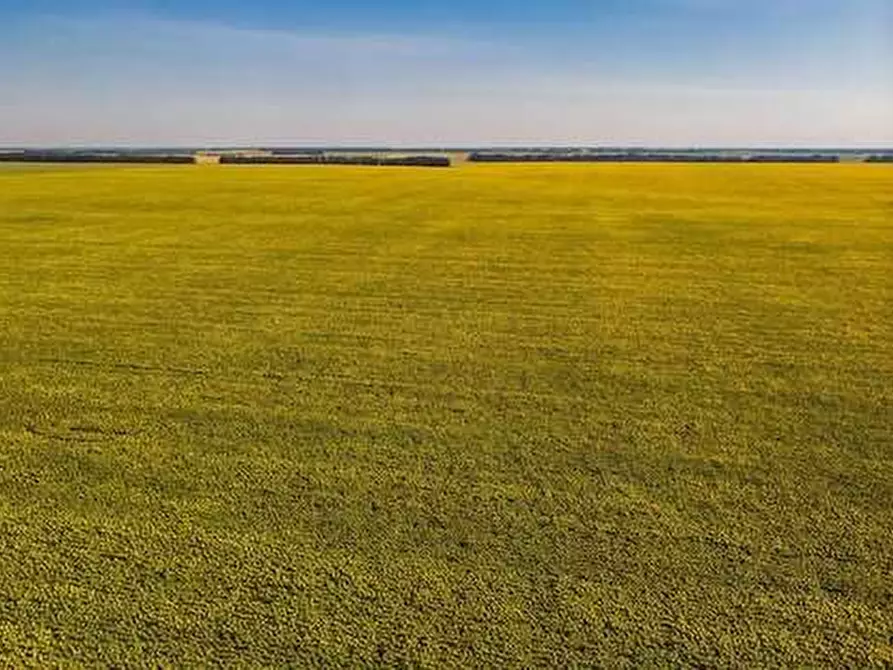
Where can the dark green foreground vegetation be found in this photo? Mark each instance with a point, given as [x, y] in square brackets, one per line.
[508, 416]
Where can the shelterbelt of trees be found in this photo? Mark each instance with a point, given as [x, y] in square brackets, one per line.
[310, 158]
[691, 156]
[334, 159]
[433, 159]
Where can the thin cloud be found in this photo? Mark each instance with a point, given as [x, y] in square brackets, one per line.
[132, 80]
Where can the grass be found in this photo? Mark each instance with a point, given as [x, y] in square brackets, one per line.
[499, 415]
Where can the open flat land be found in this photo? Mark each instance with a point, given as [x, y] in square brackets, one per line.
[496, 415]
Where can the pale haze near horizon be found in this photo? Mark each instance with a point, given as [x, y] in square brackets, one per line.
[119, 77]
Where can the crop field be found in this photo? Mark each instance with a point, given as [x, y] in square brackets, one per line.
[499, 415]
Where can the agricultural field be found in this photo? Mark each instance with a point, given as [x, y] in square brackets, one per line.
[499, 415]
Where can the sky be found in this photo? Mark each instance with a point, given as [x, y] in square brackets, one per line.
[446, 73]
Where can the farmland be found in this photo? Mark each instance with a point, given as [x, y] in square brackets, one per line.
[503, 415]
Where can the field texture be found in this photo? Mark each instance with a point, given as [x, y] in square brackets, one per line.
[492, 416]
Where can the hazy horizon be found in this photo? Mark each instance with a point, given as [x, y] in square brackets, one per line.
[648, 73]
[372, 146]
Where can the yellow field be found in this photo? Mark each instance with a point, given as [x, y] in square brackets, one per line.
[494, 415]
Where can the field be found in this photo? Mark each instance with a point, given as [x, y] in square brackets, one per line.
[501, 416]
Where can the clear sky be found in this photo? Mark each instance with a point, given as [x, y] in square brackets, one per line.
[619, 72]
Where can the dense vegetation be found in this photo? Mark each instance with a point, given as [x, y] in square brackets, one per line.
[236, 157]
[498, 415]
[312, 158]
[94, 157]
[653, 156]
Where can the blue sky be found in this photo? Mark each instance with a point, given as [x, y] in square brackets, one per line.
[650, 72]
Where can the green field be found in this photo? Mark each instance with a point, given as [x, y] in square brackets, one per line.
[513, 416]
